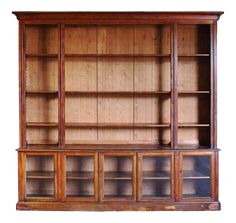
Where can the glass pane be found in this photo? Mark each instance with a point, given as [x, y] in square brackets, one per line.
[79, 176]
[40, 176]
[118, 177]
[196, 176]
[156, 177]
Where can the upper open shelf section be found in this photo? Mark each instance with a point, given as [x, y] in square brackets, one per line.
[118, 84]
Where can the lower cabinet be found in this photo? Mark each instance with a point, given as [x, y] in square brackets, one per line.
[117, 176]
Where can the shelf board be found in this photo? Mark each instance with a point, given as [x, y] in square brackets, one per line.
[110, 145]
[116, 55]
[41, 91]
[118, 197]
[193, 92]
[40, 194]
[194, 55]
[117, 125]
[195, 196]
[188, 175]
[79, 175]
[41, 124]
[155, 197]
[154, 175]
[192, 147]
[117, 143]
[40, 174]
[79, 195]
[193, 125]
[113, 175]
[117, 92]
[41, 55]
[41, 142]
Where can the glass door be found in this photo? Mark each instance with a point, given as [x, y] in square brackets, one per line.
[40, 176]
[156, 176]
[118, 176]
[80, 176]
[196, 174]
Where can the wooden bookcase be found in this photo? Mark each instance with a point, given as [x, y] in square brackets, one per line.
[118, 111]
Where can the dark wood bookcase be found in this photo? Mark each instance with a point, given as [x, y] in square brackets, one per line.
[118, 111]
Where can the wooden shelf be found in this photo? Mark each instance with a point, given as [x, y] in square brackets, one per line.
[195, 55]
[41, 124]
[187, 175]
[117, 92]
[155, 197]
[80, 195]
[117, 55]
[42, 142]
[193, 92]
[76, 175]
[117, 125]
[193, 125]
[111, 175]
[154, 175]
[118, 197]
[41, 92]
[41, 55]
[41, 195]
[40, 174]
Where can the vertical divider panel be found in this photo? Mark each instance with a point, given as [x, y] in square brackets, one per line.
[21, 176]
[177, 175]
[101, 176]
[212, 174]
[22, 79]
[174, 93]
[63, 176]
[97, 60]
[216, 179]
[60, 174]
[134, 168]
[96, 179]
[139, 176]
[213, 61]
[61, 89]
[56, 186]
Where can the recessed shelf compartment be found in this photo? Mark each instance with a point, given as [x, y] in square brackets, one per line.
[41, 39]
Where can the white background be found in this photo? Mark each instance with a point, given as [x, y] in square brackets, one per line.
[9, 110]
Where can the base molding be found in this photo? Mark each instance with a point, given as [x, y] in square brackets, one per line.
[173, 206]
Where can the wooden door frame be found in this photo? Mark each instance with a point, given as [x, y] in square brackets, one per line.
[212, 175]
[140, 174]
[63, 176]
[22, 176]
[101, 176]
